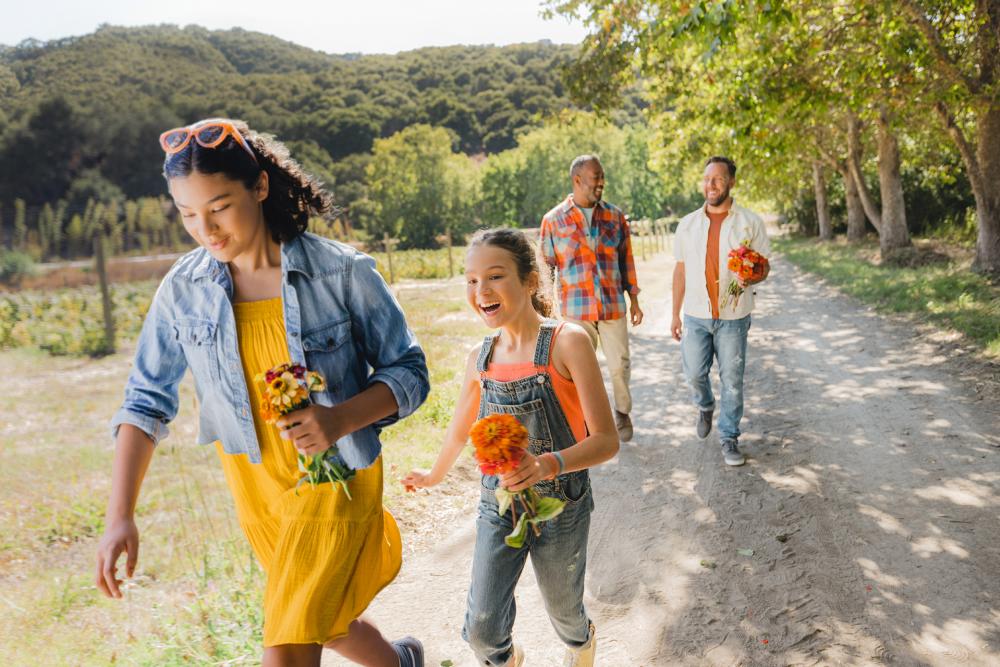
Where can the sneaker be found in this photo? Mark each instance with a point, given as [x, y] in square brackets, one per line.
[731, 453]
[582, 656]
[624, 425]
[516, 657]
[704, 423]
[410, 652]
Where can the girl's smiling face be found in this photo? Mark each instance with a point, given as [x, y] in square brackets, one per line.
[493, 287]
[221, 214]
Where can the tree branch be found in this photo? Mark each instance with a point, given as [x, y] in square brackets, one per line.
[946, 64]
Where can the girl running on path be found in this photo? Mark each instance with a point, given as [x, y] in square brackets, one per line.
[546, 374]
[259, 292]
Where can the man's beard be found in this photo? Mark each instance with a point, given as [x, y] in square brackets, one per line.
[718, 201]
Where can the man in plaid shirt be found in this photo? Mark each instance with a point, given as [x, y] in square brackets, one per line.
[588, 241]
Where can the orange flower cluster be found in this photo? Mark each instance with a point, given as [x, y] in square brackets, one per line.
[746, 263]
[499, 442]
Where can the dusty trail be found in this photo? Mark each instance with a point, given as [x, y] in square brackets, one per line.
[870, 502]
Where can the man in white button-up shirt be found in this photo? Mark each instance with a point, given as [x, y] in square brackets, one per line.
[714, 326]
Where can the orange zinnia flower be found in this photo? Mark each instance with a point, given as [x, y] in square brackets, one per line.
[499, 442]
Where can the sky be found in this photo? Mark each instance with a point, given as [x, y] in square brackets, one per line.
[333, 26]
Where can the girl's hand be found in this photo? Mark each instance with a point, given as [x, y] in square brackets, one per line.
[418, 479]
[120, 535]
[533, 469]
[312, 429]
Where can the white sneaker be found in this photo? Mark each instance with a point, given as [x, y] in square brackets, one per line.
[584, 655]
[517, 657]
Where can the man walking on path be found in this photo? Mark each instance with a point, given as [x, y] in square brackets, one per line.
[588, 241]
[701, 247]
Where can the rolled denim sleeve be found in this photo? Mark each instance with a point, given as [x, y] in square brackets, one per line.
[151, 394]
[390, 347]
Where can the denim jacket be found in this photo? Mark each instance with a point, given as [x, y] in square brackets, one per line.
[340, 320]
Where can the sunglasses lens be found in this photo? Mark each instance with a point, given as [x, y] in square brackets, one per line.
[210, 134]
[175, 138]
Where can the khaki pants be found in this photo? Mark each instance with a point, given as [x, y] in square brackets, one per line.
[613, 337]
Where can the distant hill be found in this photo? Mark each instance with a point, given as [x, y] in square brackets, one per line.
[100, 100]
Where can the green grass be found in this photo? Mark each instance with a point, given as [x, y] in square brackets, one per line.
[946, 294]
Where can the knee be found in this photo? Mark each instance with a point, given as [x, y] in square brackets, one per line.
[482, 632]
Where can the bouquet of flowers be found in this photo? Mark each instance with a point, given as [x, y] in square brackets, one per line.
[746, 263]
[499, 442]
[286, 388]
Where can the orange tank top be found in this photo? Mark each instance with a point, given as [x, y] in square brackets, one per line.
[569, 399]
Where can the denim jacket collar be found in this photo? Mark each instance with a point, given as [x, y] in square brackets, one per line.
[293, 258]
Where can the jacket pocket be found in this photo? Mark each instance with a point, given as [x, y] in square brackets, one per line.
[198, 340]
[328, 352]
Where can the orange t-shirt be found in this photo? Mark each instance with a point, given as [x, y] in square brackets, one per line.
[712, 259]
[569, 399]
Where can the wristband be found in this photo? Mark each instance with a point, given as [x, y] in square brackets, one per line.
[562, 464]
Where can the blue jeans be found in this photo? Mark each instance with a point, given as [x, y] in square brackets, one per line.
[725, 340]
[559, 557]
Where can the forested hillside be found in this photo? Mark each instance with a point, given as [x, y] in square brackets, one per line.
[82, 114]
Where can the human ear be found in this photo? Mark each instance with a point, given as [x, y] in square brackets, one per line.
[262, 187]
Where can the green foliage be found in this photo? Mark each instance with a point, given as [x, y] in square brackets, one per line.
[70, 321]
[418, 188]
[15, 266]
[519, 186]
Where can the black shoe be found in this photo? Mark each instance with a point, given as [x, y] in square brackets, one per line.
[704, 423]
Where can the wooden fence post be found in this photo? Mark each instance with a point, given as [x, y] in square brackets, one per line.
[451, 262]
[388, 251]
[102, 277]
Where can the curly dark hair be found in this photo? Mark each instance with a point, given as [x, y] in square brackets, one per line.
[525, 256]
[293, 195]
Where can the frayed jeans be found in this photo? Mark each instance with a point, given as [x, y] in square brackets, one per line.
[725, 340]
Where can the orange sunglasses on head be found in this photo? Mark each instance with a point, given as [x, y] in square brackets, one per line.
[208, 133]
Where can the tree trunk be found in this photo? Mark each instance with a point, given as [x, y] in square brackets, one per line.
[988, 201]
[854, 164]
[893, 233]
[855, 209]
[822, 206]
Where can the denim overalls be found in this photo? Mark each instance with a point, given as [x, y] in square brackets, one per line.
[559, 554]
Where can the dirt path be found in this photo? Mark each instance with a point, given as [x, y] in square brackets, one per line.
[870, 502]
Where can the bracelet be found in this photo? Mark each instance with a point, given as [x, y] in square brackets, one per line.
[562, 464]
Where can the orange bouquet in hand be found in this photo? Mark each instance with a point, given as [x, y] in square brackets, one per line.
[499, 443]
[286, 388]
[749, 265]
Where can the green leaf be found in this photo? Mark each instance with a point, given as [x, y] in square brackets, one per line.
[446, 663]
[710, 564]
[504, 499]
[516, 538]
[745, 552]
[548, 508]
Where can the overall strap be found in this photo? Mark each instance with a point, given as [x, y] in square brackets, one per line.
[543, 346]
[485, 353]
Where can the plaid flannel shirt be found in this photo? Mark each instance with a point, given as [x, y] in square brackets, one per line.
[595, 268]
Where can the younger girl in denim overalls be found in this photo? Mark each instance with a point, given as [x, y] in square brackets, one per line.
[545, 374]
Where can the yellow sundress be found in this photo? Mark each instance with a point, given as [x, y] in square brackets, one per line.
[326, 557]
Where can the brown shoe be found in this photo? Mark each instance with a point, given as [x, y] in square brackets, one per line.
[624, 425]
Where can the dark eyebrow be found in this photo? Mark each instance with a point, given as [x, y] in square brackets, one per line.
[210, 201]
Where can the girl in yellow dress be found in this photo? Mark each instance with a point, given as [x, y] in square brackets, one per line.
[258, 292]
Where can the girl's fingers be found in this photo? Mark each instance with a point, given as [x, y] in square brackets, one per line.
[133, 556]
